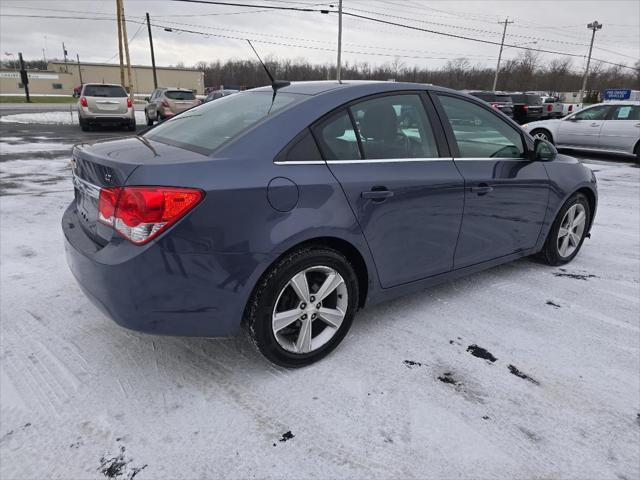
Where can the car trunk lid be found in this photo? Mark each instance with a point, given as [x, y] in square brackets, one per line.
[109, 164]
[102, 105]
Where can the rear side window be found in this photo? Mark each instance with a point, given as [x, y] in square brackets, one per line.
[207, 126]
[337, 138]
[179, 95]
[394, 127]
[626, 112]
[480, 133]
[303, 148]
[533, 100]
[104, 91]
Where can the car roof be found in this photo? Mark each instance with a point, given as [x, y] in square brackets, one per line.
[102, 85]
[320, 87]
[633, 103]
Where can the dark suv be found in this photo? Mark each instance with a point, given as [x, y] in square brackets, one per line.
[527, 107]
[497, 100]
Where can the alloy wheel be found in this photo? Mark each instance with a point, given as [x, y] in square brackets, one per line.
[310, 309]
[571, 230]
[541, 135]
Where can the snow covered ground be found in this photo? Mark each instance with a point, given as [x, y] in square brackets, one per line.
[404, 396]
[69, 117]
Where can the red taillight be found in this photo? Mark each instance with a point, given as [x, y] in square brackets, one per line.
[526, 108]
[165, 104]
[494, 105]
[83, 102]
[107, 204]
[549, 108]
[571, 108]
[129, 102]
[141, 213]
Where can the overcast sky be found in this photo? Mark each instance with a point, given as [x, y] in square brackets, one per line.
[89, 29]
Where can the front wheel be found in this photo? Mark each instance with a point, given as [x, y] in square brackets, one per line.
[303, 307]
[149, 121]
[568, 231]
[542, 134]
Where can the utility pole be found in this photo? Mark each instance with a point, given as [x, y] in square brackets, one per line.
[153, 57]
[24, 78]
[592, 26]
[339, 66]
[64, 51]
[504, 32]
[125, 40]
[44, 57]
[119, 14]
[79, 70]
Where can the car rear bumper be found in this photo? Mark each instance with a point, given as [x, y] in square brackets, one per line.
[153, 290]
[94, 117]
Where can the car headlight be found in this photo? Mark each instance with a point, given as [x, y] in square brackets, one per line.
[525, 126]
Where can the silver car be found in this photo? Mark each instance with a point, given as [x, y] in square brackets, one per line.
[102, 103]
[166, 102]
[606, 127]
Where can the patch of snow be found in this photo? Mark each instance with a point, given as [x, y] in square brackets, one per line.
[57, 118]
[9, 148]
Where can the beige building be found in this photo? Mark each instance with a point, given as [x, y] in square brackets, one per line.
[61, 79]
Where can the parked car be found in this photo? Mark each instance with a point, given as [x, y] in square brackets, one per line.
[166, 102]
[605, 127]
[77, 91]
[346, 205]
[552, 107]
[498, 100]
[216, 94]
[527, 107]
[569, 108]
[102, 103]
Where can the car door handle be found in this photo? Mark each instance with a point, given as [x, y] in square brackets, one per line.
[595, 124]
[637, 125]
[482, 189]
[377, 194]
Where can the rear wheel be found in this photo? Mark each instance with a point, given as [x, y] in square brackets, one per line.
[542, 134]
[84, 126]
[303, 308]
[149, 121]
[637, 152]
[131, 126]
[568, 231]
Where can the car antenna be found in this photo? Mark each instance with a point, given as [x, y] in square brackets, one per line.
[275, 84]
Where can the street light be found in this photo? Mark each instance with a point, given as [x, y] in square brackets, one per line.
[593, 27]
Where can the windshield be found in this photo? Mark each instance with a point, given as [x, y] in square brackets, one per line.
[206, 127]
[179, 95]
[104, 91]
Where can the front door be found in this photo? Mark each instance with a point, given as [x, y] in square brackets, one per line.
[506, 195]
[621, 130]
[582, 129]
[407, 197]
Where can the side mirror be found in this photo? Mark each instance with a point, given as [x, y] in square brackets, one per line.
[572, 118]
[544, 150]
[146, 99]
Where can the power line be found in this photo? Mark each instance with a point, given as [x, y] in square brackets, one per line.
[247, 5]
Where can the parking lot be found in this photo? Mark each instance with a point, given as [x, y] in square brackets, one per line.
[521, 371]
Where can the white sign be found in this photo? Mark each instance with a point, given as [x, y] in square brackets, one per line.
[32, 75]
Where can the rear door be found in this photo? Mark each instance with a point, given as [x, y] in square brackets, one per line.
[506, 195]
[106, 99]
[389, 154]
[582, 129]
[621, 130]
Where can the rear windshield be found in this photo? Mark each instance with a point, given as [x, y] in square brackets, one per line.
[206, 127]
[104, 91]
[503, 98]
[487, 97]
[526, 99]
[179, 95]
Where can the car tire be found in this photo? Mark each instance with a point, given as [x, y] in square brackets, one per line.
[275, 295]
[637, 152]
[566, 228]
[542, 133]
[149, 121]
[84, 126]
[131, 126]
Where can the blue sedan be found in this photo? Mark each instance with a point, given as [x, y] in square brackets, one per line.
[284, 211]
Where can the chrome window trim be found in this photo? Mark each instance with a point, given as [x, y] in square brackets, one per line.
[391, 160]
[301, 162]
[493, 159]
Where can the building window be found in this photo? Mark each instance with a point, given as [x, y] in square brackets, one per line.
[20, 85]
[57, 86]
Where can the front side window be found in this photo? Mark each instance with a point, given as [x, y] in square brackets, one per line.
[593, 113]
[480, 133]
[337, 138]
[205, 127]
[394, 126]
